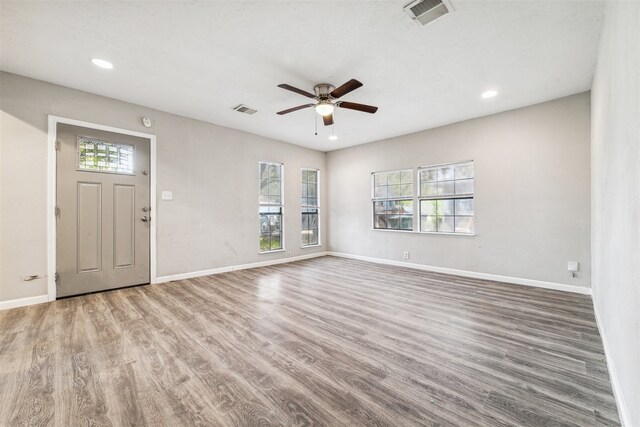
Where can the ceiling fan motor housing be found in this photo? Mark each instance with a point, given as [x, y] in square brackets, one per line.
[323, 90]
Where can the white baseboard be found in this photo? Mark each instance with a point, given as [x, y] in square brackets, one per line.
[472, 274]
[625, 417]
[21, 302]
[190, 275]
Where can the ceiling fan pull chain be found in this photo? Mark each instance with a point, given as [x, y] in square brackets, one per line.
[316, 119]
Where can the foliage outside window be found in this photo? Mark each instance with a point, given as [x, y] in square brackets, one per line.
[393, 200]
[96, 155]
[271, 206]
[446, 198]
[310, 207]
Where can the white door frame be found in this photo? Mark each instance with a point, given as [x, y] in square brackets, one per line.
[51, 194]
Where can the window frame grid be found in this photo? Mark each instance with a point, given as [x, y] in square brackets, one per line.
[443, 197]
[271, 205]
[307, 206]
[400, 198]
[97, 141]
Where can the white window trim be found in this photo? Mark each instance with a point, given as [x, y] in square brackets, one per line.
[456, 196]
[374, 199]
[319, 244]
[281, 205]
[416, 203]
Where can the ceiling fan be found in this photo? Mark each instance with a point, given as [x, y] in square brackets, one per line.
[326, 96]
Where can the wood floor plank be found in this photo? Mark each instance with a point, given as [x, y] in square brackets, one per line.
[326, 341]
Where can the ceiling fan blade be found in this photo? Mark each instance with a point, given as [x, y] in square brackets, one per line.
[296, 90]
[349, 86]
[291, 110]
[328, 120]
[358, 107]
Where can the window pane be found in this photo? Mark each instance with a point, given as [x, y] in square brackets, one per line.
[428, 207]
[445, 173]
[464, 170]
[274, 188]
[445, 224]
[464, 207]
[394, 178]
[464, 224]
[406, 222]
[274, 171]
[270, 216]
[464, 186]
[445, 188]
[313, 176]
[313, 237]
[445, 207]
[428, 223]
[264, 170]
[429, 189]
[380, 179]
[406, 177]
[394, 190]
[303, 190]
[101, 156]
[393, 214]
[406, 190]
[380, 192]
[429, 175]
[312, 190]
[405, 206]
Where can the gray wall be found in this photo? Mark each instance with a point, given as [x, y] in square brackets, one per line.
[531, 193]
[615, 197]
[213, 173]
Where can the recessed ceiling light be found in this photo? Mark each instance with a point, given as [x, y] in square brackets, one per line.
[489, 94]
[333, 137]
[102, 63]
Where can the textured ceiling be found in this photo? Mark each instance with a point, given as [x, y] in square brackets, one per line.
[200, 59]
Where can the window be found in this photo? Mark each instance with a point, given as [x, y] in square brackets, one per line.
[310, 207]
[96, 155]
[393, 200]
[446, 198]
[271, 206]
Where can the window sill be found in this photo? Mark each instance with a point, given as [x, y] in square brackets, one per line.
[311, 246]
[436, 233]
[393, 230]
[441, 233]
[275, 251]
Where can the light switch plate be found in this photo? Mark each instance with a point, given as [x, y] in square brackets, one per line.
[572, 266]
[167, 195]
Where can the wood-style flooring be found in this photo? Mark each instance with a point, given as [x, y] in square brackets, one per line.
[326, 341]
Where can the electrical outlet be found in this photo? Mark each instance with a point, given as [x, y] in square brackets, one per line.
[405, 255]
[288, 253]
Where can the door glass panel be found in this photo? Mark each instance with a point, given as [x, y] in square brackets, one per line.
[96, 155]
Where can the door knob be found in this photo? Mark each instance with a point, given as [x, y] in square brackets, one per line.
[145, 219]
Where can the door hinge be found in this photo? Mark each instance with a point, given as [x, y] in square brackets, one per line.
[57, 145]
[56, 211]
[56, 278]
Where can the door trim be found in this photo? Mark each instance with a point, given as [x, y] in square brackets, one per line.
[52, 196]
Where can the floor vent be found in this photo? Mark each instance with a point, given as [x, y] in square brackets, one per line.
[426, 11]
[244, 109]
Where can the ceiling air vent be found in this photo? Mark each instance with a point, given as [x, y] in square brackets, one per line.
[244, 109]
[427, 11]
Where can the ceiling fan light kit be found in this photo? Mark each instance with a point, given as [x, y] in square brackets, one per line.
[324, 108]
[326, 96]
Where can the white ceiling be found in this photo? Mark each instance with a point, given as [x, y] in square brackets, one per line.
[200, 59]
